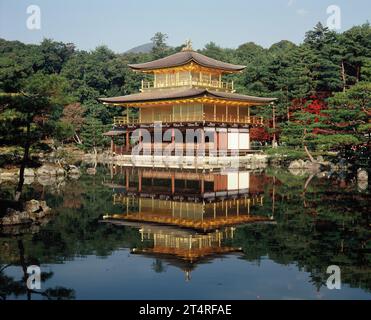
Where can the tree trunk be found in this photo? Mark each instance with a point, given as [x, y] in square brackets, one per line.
[25, 159]
[306, 148]
[308, 154]
[343, 75]
[77, 138]
[358, 75]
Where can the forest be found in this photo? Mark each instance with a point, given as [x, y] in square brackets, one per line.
[49, 91]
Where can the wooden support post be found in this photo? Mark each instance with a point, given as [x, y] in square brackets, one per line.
[202, 144]
[173, 140]
[238, 113]
[216, 142]
[112, 145]
[127, 179]
[214, 112]
[123, 144]
[139, 181]
[172, 182]
[127, 140]
[202, 185]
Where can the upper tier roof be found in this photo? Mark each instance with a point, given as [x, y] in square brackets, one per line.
[184, 57]
[157, 95]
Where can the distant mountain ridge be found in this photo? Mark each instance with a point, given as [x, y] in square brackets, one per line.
[144, 48]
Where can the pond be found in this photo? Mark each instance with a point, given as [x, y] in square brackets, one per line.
[176, 234]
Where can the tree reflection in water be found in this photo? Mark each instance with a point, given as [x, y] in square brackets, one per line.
[318, 223]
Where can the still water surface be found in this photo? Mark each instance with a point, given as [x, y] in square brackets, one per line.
[171, 234]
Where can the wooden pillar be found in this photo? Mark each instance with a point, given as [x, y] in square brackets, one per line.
[139, 181]
[172, 182]
[173, 140]
[127, 179]
[201, 144]
[127, 140]
[202, 184]
[112, 145]
[238, 113]
[216, 147]
[123, 143]
[214, 112]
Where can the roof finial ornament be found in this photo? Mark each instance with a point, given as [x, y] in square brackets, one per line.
[188, 45]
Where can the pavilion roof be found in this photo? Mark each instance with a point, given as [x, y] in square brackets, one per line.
[184, 93]
[185, 57]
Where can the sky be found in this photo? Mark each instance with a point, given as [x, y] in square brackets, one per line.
[124, 24]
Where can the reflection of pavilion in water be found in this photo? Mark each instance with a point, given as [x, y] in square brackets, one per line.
[186, 217]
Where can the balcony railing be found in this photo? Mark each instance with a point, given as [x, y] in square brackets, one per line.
[255, 120]
[213, 84]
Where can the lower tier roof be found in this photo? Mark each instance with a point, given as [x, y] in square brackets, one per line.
[184, 93]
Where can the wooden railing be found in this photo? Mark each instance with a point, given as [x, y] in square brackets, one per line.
[122, 121]
[214, 84]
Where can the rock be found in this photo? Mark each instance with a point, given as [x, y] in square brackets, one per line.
[28, 172]
[9, 174]
[28, 180]
[36, 206]
[46, 180]
[320, 159]
[313, 167]
[13, 217]
[307, 164]
[91, 171]
[50, 170]
[362, 175]
[32, 206]
[34, 210]
[296, 164]
[73, 170]
[301, 163]
[297, 171]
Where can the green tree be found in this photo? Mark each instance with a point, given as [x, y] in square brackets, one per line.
[92, 134]
[349, 114]
[23, 115]
[160, 47]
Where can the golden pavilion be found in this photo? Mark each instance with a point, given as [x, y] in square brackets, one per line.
[187, 90]
[186, 217]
